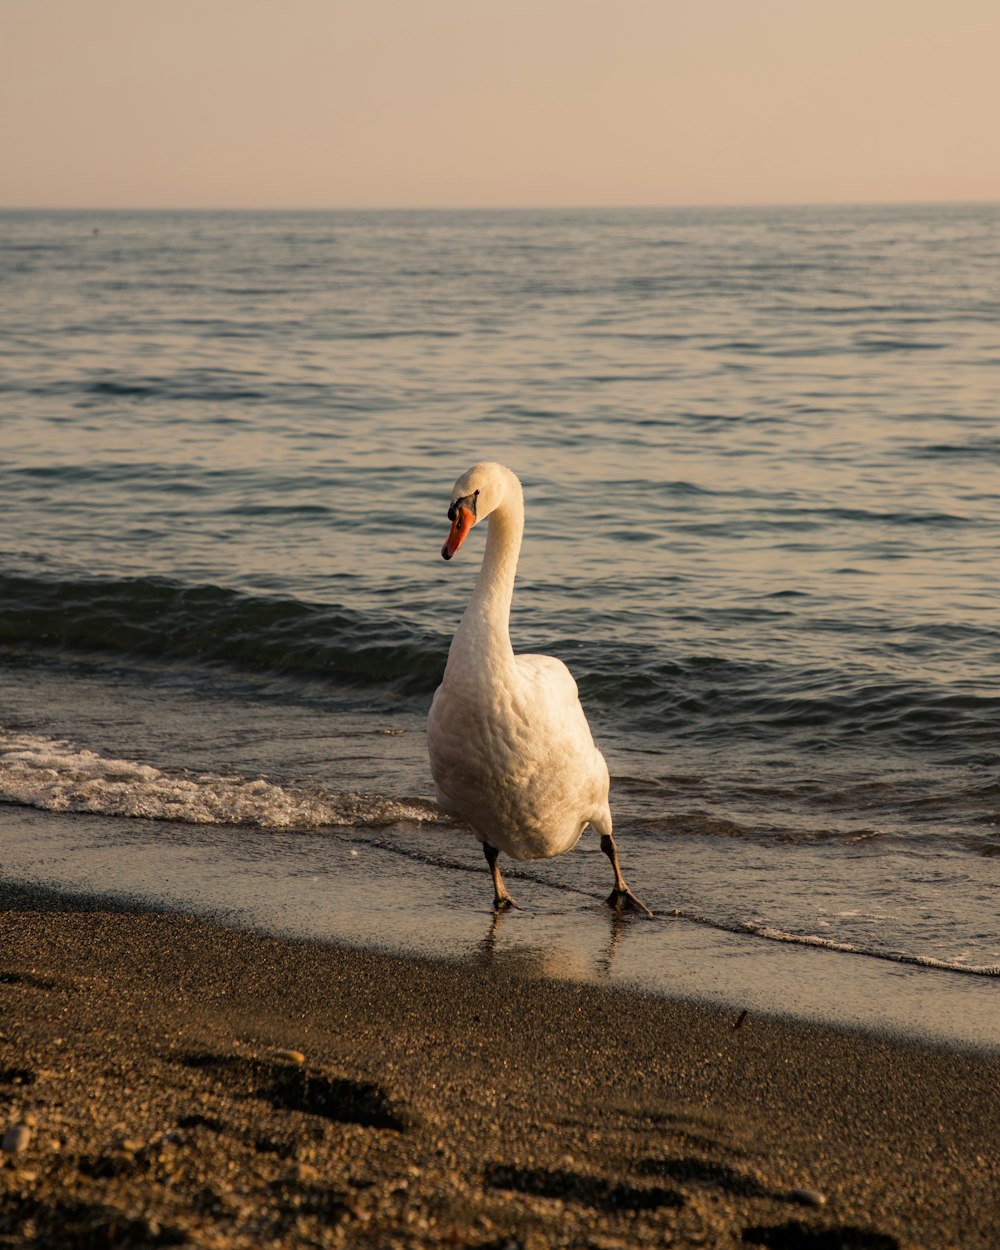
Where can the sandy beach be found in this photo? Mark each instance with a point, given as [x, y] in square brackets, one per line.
[166, 1081]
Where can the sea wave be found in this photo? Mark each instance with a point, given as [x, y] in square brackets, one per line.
[689, 697]
[56, 776]
[166, 619]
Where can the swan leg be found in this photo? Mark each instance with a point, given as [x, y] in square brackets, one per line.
[501, 899]
[621, 897]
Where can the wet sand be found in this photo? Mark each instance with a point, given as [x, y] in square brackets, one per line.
[180, 1083]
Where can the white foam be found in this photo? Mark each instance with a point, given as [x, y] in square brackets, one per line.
[849, 948]
[55, 776]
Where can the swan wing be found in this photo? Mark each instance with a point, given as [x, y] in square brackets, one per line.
[550, 677]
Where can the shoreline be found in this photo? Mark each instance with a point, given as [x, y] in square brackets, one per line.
[356, 890]
[155, 1060]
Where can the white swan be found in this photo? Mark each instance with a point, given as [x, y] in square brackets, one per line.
[510, 748]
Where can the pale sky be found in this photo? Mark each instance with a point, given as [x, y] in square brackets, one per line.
[368, 103]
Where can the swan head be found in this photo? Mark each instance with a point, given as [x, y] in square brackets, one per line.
[474, 496]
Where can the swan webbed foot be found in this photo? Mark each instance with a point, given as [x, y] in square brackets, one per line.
[625, 900]
[621, 897]
[504, 902]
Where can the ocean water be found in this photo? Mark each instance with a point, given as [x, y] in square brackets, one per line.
[761, 458]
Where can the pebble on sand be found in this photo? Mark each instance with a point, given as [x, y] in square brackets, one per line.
[289, 1056]
[808, 1197]
[16, 1139]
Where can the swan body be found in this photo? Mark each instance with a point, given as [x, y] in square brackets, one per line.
[511, 752]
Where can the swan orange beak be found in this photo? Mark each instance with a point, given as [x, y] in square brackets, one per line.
[463, 522]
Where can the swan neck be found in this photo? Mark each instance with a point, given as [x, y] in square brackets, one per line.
[490, 603]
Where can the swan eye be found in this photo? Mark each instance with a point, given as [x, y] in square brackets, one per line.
[468, 502]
